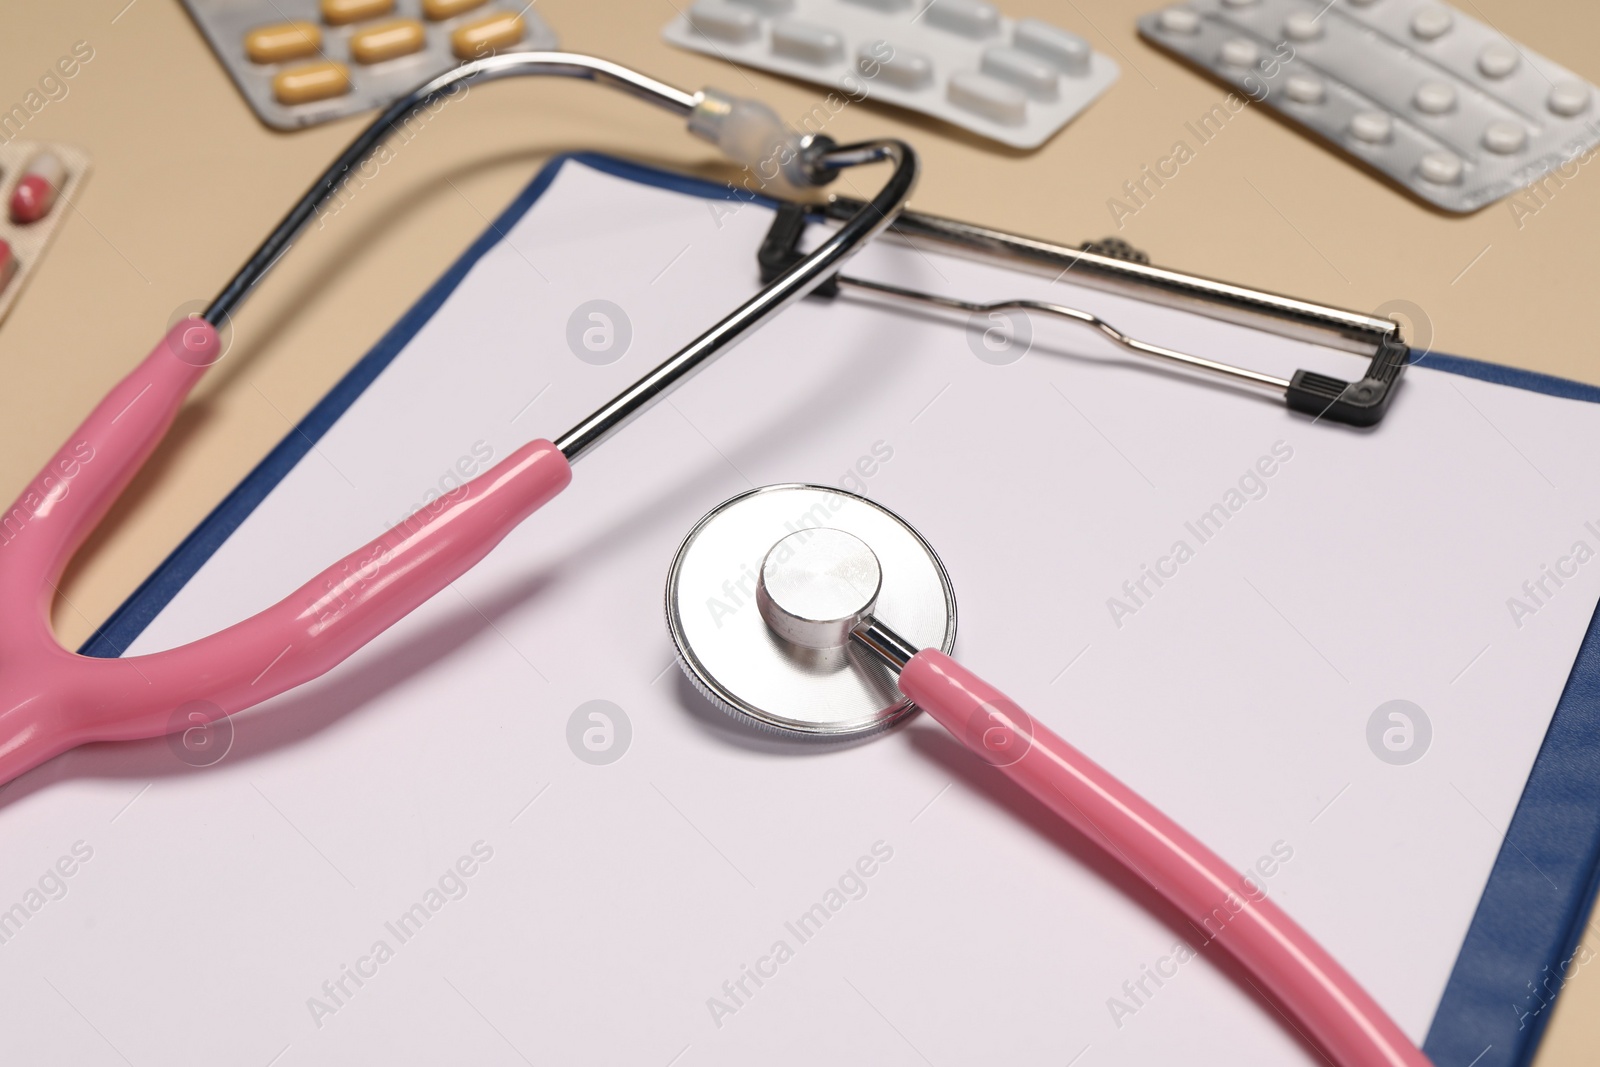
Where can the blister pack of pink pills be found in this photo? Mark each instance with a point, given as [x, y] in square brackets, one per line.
[1436, 100]
[1016, 81]
[38, 182]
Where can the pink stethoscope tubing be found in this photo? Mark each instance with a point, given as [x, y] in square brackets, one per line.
[52, 699]
[1338, 1015]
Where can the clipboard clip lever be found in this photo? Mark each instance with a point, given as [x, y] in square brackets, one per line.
[1114, 265]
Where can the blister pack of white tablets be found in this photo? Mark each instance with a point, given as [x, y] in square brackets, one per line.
[1439, 102]
[1016, 81]
[301, 62]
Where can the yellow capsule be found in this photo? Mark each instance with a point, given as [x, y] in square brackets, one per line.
[481, 38]
[340, 12]
[387, 40]
[314, 81]
[281, 41]
[437, 10]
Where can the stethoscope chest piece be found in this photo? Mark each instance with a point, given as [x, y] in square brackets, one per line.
[765, 589]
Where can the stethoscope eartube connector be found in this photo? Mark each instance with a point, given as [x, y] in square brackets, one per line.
[834, 580]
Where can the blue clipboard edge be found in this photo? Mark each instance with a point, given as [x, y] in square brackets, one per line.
[1523, 936]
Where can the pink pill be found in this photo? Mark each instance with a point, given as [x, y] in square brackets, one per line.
[36, 190]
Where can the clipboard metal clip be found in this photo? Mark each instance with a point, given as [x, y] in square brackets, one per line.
[1358, 403]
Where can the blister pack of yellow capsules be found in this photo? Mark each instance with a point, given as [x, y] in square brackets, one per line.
[301, 62]
[38, 182]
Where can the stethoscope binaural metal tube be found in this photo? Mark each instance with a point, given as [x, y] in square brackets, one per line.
[490, 68]
[784, 290]
[821, 160]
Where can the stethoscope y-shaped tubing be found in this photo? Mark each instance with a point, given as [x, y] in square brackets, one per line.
[52, 699]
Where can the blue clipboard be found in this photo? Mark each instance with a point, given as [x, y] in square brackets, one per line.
[1520, 947]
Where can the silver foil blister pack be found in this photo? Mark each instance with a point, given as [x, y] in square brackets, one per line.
[1439, 102]
[1016, 81]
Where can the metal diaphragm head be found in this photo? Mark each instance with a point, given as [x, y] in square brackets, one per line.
[818, 547]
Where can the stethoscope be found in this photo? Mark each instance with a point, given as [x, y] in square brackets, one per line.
[814, 608]
[52, 699]
[811, 611]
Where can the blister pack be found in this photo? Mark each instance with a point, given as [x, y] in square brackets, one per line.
[38, 182]
[1438, 101]
[1016, 81]
[301, 62]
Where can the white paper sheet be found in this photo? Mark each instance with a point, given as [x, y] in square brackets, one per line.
[619, 899]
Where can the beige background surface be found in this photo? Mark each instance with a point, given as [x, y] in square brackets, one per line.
[186, 182]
